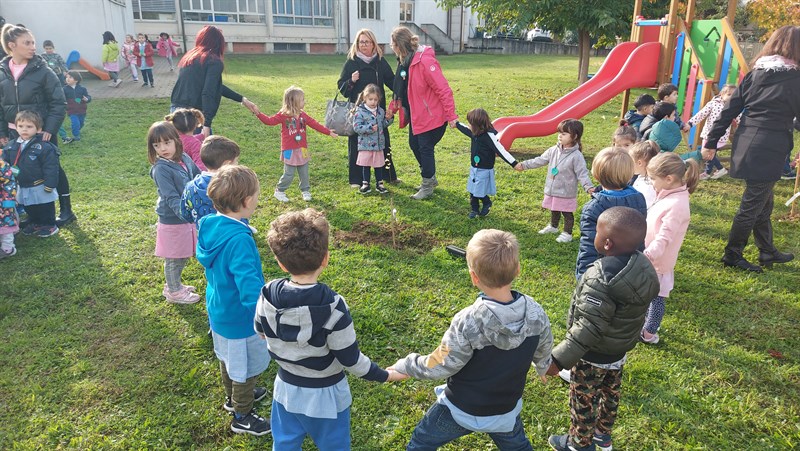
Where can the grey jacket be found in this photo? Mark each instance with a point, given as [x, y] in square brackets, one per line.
[571, 170]
[171, 178]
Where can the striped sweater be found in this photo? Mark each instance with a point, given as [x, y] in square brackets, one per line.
[310, 335]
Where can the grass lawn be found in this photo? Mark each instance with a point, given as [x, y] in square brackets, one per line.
[93, 357]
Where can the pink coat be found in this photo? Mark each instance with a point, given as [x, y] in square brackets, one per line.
[429, 94]
[191, 147]
[667, 223]
[166, 47]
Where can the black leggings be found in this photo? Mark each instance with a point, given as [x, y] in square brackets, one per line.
[42, 214]
[474, 202]
[569, 220]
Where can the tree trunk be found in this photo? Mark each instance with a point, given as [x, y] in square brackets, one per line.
[584, 44]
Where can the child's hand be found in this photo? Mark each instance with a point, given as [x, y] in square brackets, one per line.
[553, 370]
[686, 127]
[519, 167]
[85, 99]
[395, 376]
[389, 114]
[543, 379]
[334, 135]
[591, 190]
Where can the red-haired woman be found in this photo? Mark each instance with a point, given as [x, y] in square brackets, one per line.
[199, 83]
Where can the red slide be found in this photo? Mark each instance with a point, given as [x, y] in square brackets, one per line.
[629, 65]
[101, 74]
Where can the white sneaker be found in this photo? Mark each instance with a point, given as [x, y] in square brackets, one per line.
[564, 237]
[721, 173]
[564, 375]
[306, 196]
[118, 82]
[548, 229]
[281, 196]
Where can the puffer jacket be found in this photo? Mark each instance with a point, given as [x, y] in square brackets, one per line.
[363, 121]
[608, 310]
[634, 119]
[38, 89]
[429, 94]
[37, 162]
[377, 72]
[571, 167]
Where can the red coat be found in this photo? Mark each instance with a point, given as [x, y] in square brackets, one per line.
[148, 54]
[429, 94]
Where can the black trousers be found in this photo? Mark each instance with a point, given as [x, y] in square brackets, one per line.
[754, 216]
[355, 174]
[42, 214]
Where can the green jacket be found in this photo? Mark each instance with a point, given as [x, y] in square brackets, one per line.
[608, 310]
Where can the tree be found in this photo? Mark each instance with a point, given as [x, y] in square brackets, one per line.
[769, 15]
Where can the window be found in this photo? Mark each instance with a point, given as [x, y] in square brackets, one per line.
[369, 9]
[241, 11]
[154, 9]
[303, 12]
[406, 11]
[289, 47]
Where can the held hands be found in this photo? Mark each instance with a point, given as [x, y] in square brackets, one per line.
[250, 106]
[389, 113]
[553, 370]
[708, 154]
[395, 376]
[354, 78]
[46, 136]
[591, 190]
[686, 127]
[333, 134]
[453, 123]
[519, 167]
[206, 131]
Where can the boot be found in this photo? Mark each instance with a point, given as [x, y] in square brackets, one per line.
[426, 189]
[767, 259]
[65, 215]
[435, 183]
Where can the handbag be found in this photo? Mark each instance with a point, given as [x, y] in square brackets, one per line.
[396, 107]
[339, 116]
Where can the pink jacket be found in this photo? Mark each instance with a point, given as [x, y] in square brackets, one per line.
[429, 95]
[667, 222]
[166, 47]
[191, 147]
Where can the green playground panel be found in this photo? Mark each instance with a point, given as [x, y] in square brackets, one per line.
[706, 37]
[683, 80]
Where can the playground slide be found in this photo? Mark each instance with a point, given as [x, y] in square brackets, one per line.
[638, 69]
[75, 57]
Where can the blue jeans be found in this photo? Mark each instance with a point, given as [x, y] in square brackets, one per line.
[437, 428]
[712, 164]
[423, 146]
[77, 121]
[290, 429]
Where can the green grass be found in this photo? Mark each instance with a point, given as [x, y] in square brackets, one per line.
[93, 357]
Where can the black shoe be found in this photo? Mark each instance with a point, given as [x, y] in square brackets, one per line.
[766, 260]
[473, 214]
[364, 189]
[259, 393]
[252, 424]
[741, 263]
[67, 140]
[65, 217]
[380, 188]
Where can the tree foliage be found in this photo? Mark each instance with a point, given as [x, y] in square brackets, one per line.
[769, 15]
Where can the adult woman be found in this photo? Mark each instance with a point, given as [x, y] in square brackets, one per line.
[27, 83]
[366, 65]
[769, 99]
[199, 83]
[424, 91]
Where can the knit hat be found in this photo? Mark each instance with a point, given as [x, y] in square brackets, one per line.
[667, 134]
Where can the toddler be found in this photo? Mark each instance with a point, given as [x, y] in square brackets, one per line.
[54, 61]
[167, 48]
[666, 133]
[186, 121]
[641, 153]
[9, 221]
[624, 136]
[128, 56]
[644, 106]
[217, 151]
[668, 93]
[710, 112]
[77, 99]
[369, 123]
[111, 58]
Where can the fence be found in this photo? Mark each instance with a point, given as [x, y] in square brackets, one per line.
[513, 46]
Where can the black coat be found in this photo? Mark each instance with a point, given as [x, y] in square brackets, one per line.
[38, 89]
[769, 100]
[199, 86]
[376, 72]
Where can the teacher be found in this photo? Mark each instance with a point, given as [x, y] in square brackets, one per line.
[199, 83]
[366, 65]
[424, 91]
[769, 99]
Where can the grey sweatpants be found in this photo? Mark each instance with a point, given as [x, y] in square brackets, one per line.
[288, 176]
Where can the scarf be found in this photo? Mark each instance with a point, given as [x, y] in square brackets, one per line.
[401, 78]
[365, 58]
[775, 63]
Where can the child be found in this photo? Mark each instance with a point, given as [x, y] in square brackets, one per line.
[77, 98]
[668, 93]
[228, 252]
[310, 335]
[143, 52]
[369, 123]
[34, 163]
[641, 153]
[565, 169]
[613, 168]
[624, 136]
[167, 49]
[54, 61]
[667, 222]
[9, 221]
[485, 354]
[710, 112]
[607, 309]
[483, 149]
[294, 148]
[666, 133]
[111, 58]
[644, 106]
[186, 121]
[128, 56]
[176, 237]
[217, 151]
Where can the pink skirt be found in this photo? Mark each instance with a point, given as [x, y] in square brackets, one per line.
[175, 240]
[560, 203]
[371, 158]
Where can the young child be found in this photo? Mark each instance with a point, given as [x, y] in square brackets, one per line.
[77, 99]
[644, 106]
[613, 168]
[167, 48]
[128, 56]
[565, 169]
[227, 250]
[9, 221]
[485, 354]
[606, 312]
[310, 335]
[710, 112]
[294, 147]
[143, 52]
[176, 237]
[666, 133]
[668, 92]
[641, 153]
[34, 163]
[186, 121]
[111, 58]
[54, 61]
[667, 222]
[483, 149]
[217, 151]
[369, 123]
[624, 136]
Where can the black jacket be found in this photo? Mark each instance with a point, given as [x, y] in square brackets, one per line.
[376, 72]
[199, 85]
[38, 89]
[38, 163]
[769, 100]
[484, 147]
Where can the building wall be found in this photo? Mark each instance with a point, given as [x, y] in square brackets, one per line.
[425, 11]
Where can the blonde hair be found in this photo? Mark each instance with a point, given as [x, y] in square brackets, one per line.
[160, 132]
[668, 163]
[406, 43]
[291, 101]
[493, 255]
[613, 168]
[10, 33]
[231, 186]
[371, 89]
[371, 36]
[727, 89]
[299, 240]
[644, 150]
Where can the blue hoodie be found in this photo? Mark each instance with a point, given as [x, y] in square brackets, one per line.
[227, 250]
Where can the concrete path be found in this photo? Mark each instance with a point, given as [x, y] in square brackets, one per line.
[163, 79]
